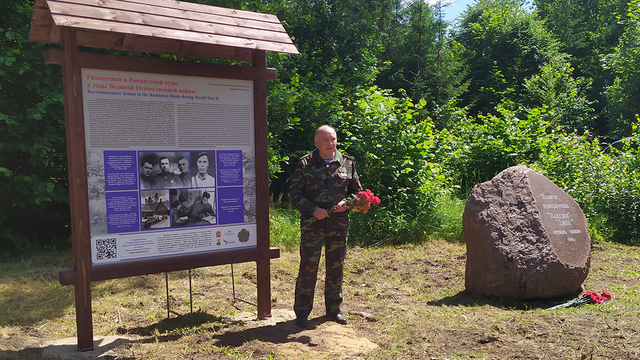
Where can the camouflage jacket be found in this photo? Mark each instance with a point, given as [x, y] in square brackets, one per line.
[317, 184]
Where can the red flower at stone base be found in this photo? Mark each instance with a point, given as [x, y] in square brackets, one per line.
[587, 297]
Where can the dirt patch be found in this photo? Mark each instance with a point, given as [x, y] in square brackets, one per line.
[20, 343]
[19, 338]
[323, 339]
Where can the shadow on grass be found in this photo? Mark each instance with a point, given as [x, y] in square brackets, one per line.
[210, 326]
[175, 323]
[464, 298]
[24, 354]
[279, 333]
[66, 349]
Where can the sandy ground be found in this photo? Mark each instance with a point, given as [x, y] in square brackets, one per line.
[322, 340]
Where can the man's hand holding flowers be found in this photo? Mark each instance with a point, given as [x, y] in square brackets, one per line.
[360, 203]
[321, 213]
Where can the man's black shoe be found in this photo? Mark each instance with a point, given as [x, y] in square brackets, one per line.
[302, 321]
[339, 318]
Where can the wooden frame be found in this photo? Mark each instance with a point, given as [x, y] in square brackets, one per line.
[164, 27]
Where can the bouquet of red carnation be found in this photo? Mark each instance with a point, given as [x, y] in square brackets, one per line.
[587, 297]
[360, 203]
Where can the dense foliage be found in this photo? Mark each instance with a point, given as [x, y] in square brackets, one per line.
[588, 31]
[34, 210]
[624, 63]
[427, 109]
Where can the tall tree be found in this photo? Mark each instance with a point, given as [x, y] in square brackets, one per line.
[504, 45]
[588, 30]
[562, 96]
[623, 94]
[421, 60]
[340, 45]
[411, 47]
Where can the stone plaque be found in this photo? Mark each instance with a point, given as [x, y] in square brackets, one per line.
[563, 220]
[526, 238]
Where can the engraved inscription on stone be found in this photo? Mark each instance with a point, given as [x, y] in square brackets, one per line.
[526, 238]
[562, 218]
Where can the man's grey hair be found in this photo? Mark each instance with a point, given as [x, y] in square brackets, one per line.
[325, 128]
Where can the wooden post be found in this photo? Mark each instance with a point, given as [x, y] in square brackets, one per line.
[78, 194]
[259, 60]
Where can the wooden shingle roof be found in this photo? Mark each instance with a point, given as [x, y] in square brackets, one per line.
[161, 26]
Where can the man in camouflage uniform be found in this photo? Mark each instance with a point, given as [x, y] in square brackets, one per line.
[320, 181]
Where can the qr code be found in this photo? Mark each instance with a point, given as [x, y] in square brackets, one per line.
[106, 249]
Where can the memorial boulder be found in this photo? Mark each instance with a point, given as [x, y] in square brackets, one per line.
[526, 238]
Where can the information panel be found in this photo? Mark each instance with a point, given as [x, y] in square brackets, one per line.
[170, 164]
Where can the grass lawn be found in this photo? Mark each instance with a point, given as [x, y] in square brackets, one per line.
[413, 298]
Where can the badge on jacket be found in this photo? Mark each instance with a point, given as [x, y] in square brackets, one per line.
[342, 173]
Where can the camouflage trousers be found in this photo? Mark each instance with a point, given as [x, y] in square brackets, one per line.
[311, 244]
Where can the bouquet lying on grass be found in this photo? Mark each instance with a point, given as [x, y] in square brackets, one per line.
[587, 297]
[360, 202]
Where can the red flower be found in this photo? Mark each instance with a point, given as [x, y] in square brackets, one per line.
[587, 297]
[594, 297]
[360, 203]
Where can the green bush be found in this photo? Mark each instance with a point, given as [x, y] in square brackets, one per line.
[619, 201]
[606, 186]
[486, 145]
[399, 159]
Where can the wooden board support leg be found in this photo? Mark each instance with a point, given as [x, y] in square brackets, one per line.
[79, 197]
[259, 60]
[264, 289]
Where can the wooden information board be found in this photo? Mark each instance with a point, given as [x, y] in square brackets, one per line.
[167, 159]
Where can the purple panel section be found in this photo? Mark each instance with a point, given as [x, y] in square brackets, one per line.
[229, 167]
[123, 209]
[230, 205]
[120, 170]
